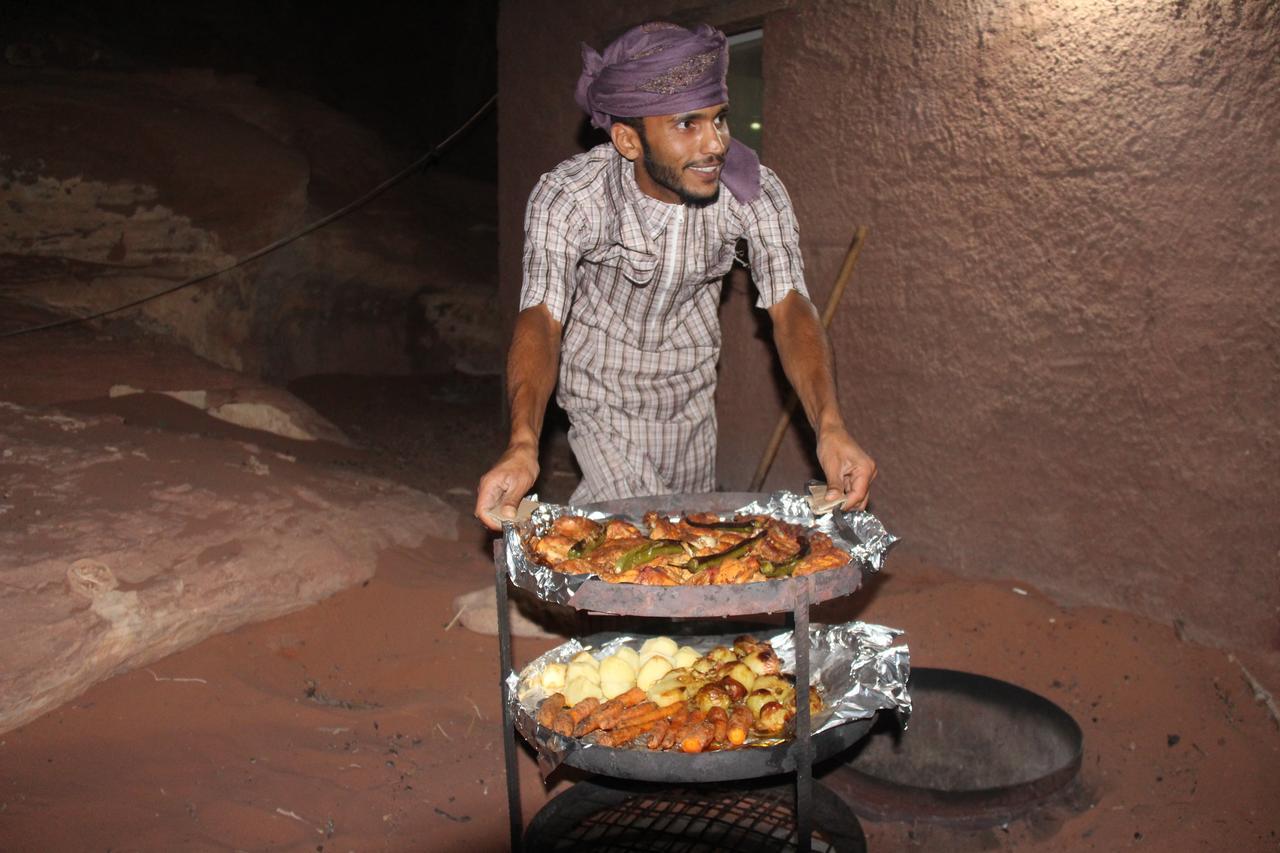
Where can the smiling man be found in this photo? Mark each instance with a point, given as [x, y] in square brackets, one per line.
[625, 249]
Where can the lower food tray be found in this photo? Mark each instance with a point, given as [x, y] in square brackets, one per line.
[855, 665]
[747, 762]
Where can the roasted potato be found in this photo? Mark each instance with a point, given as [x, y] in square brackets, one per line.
[738, 672]
[653, 669]
[617, 668]
[553, 677]
[722, 654]
[773, 718]
[772, 683]
[580, 688]
[658, 646]
[582, 669]
[685, 656]
[763, 662]
[712, 696]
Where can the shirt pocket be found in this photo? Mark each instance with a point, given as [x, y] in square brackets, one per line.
[636, 266]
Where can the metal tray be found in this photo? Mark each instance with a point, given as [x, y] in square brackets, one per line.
[626, 599]
[747, 762]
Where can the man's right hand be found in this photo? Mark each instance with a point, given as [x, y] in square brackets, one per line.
[502, 488]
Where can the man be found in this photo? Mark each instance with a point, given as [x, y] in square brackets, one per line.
[625, 249]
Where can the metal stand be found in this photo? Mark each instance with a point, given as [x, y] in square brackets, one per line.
[802, 746]
[804, 738]
[508, 724]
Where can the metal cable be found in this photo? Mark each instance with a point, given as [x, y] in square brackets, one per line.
[283, 241]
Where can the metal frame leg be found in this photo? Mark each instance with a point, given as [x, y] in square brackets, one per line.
[508, 723]
[804, 739]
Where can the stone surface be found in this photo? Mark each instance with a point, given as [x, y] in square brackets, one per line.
[262, 408]
[478, 611]
[190, 171]
[121, 544]
[1060, 343]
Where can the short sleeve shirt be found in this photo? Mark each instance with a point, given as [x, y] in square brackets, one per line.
[635, 283]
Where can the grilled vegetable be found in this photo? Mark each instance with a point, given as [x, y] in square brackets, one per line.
[648, 551]
[745, 528]
[550, 706]
[583, 547]
[739, 725]
[697, 737]
[710, 697]
[785, 568]
[773, 718]
[698, 564]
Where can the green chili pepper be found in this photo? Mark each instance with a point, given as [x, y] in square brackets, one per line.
[648, 551]
[697, 564]
[586, 546]
[787, 566]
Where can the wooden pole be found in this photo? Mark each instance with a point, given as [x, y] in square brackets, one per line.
[789, 408]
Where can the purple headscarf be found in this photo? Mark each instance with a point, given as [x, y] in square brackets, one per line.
[663, 69]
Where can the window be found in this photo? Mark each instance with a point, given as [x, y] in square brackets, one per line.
[746, 87]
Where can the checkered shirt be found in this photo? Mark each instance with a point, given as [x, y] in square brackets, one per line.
[636, 284]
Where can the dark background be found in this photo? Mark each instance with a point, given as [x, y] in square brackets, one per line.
[411, 71]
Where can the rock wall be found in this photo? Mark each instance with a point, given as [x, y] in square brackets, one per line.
[114, 185]
[1060, 344]
[120, 545]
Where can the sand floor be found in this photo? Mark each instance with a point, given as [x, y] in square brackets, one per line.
[367, 723]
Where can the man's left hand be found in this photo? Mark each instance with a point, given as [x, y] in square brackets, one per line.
[847, 467]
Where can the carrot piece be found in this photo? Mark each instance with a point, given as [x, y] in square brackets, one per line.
[635, 711]
[623, 735]
[658, 734]
[568, 719]
[603, 717]
[694, 719]
[646, 713]
[678, 720]
[739, 725]
[698, 737]
[548, 709]
[634, 696]
[720, 723]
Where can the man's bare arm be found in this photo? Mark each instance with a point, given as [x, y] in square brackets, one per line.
[806, 358]
[532, 365]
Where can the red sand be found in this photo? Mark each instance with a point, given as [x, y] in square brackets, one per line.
[363, 724]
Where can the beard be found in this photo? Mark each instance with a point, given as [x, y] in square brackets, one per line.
[668, 176]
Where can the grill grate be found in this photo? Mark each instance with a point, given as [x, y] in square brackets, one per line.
[688, 819]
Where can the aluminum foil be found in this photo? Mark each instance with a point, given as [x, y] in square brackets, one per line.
[855, 666]
[858, 532]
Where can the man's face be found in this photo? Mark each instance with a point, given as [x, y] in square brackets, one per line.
[683, 155]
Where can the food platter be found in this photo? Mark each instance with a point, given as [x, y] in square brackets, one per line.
[771, 596]
[668, 766]
[748, 763]
[858, 533]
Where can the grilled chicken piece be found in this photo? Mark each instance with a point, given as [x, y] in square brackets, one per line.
[617, 529]
[552, 548]
[823, 554]
[576, 527]
[704, 540]
[652, 575]
[730, 571]
[781, 542]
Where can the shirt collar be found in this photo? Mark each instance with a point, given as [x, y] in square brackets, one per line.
[655, 214]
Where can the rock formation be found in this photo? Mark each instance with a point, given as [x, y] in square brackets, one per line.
[120, 545]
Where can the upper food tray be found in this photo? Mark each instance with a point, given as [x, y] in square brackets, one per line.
[599, 596]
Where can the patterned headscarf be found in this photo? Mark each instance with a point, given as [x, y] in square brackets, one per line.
[664, 69]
